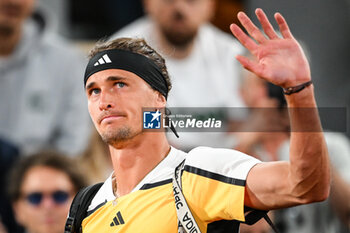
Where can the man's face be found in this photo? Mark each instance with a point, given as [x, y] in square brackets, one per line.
[115, 101]
[13, 13]
[179, 20]
[46, 195]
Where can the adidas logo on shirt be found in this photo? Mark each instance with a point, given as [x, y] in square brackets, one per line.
[104, 59]
[117, 220]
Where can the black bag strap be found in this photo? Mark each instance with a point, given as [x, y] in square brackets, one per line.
[252, 216]
[78, 209]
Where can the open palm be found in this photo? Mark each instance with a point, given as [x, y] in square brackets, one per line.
[280, 61]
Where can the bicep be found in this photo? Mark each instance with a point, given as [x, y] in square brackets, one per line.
[268, 186]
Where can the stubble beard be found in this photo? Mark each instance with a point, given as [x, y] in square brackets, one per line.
[114, 137]
[179, 39]
[6, 30]
[9, 25]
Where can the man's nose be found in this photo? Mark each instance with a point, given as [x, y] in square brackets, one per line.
[106, 100]
[47, 202]
[181, 5]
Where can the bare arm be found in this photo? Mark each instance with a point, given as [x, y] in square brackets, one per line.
[281, 61]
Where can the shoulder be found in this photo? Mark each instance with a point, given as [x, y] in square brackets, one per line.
[138, 28]
[103, 195]
[62, 58]
[339, 150]
[338, 147]
[338, 140]
[55, 44]
[227, 162]
[47, 46]
[221, 40]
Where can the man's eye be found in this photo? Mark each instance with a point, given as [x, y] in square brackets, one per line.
[119, 84]
[94, 91]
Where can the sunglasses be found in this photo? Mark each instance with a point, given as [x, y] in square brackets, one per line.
[59, 197]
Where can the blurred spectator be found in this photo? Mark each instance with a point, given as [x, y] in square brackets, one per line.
[41, 189]
[96, 159]
[41, 91]
[199, 57]
[331, 216]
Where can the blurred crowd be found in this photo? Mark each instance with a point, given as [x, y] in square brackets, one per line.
[49, 148]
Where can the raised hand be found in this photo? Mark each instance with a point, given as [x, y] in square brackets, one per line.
[280, 61]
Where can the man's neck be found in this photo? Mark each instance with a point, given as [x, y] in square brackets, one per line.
[133, 161]
[171, 50]
[9, 40]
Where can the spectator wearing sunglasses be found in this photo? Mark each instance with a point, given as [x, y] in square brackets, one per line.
[41, 188]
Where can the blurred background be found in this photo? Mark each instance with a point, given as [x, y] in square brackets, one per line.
[323, 27]
[60, 123]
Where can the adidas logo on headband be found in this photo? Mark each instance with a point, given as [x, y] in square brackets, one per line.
[104, 59]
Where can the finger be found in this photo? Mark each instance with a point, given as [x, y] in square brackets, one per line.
[245, 40]
[248, 64]
[283, 26]
[251, 28]
[265, 23]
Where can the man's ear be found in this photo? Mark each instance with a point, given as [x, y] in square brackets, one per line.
[161, 101]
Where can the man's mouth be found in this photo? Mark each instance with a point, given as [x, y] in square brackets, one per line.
[110, 117]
